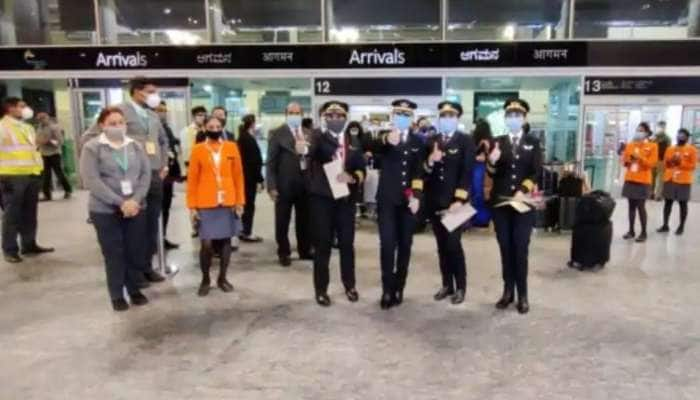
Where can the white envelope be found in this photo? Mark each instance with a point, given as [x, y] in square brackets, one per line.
[332, 170]
[453, 220]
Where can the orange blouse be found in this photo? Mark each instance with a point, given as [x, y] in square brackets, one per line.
[680, 162]
[202, 185]
[646, 156]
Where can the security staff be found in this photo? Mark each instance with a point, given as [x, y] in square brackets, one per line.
[20, 178]
[333, 216]
[398, 199]
[515, 164]
[448, 182]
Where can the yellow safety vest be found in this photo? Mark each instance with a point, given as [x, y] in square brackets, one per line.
[18, 152]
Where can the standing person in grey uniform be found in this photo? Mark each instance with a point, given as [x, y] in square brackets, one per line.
[49, 137]
[117, 173]
[144, 126]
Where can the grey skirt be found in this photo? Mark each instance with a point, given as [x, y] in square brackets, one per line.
[636, 191]
[218, 223]
[676, 191]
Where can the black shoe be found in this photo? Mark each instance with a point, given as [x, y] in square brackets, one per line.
[224, 285]
[36, 249]
[523, 306]
[628, 236]
[352, 295]
[67, 196]
[13, 258]
[170, 245]
[120, 305]
[387, 301]
[458, 297]
[679, 231]
[138, 299]
[154, 277]
[642, 238]
[323, 300]
[663, 229]
[143, 284]
[285, 261]
[195, 234]
[443, 293]
[204, 288]
[250, 239]
[398, 297]
[506, 300]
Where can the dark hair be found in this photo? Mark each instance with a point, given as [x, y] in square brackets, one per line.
[307, 123]
[106, 112]
[222, 108]
[247, 121]
[10, 102]
[198, 109]
[482, 131]
[645, 127]
[684, 131]
[355, 124]
[139, 83]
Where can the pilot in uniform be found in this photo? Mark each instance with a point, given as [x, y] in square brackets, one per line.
[448, 178]
[333, 216]
[515, 164]
[398, 198]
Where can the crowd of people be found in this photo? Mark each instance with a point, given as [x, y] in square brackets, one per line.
[429, 170]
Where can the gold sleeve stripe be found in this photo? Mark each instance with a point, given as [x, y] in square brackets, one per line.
[490, 168]
[417, 184]
[461, 194]
[529, 184]
[360, 176]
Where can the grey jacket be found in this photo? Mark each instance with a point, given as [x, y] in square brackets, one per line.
[45, 135]
[143, 132]
[103, 176]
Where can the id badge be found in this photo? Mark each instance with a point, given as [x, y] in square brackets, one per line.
[634, 167]
[127, 188]
[220, 197]
[150, 148]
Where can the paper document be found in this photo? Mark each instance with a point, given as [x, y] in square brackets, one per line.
[520, 202]
[453, 220]
[332, 170]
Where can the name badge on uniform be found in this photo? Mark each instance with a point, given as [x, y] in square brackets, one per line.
[150, 148]
[634, 167]
[452, 151]
[220, 195]
[415, 149]
[528, 147]
[127, 188]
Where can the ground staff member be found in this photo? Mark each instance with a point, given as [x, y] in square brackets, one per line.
[680, 162]
[117, 173]
[20, 171]
[50, 140]
[215, 196]
[639, 157]
[515, 164]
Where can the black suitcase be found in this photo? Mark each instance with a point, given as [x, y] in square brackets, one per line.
[590, 245]
[567, 212]
[594, 208]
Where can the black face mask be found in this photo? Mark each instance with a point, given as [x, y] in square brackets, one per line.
[682, 141]
[214, 135]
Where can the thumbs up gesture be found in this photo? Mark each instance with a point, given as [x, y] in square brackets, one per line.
[495, 154]
[393, 137]
[301, 146]
[436, 155]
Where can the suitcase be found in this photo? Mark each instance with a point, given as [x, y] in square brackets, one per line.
[590, 245]
[567, 212]
[595, 208]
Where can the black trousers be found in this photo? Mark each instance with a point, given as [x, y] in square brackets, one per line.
[20, 196]
[302, 224]
[453, 267]
[154, 205]
[167, 203]
[53, 164]
[251, 191]
[123, 248]
[513, 231]
[396, 227]
[333, 216]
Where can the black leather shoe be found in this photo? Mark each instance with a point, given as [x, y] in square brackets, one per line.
[458, 297]
[13, 258]
[154, 277]
[323, 300]
[398, 297]
[443, 293]
[204, 288]
[120, 305]
[679, 231]
[170, 245]
[663, 229]
[641, 238]
[285, 261]
[225, 285]
[138, 299]
[628, 236]
[387, 301]
[505, 301]
[352, 295]
[36, 249]
[523, 306]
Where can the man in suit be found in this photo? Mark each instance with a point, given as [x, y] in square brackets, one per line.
[515, 163]
[252, 172]
[448, 182]
[287, 187]
[333, 216]
[398, 199]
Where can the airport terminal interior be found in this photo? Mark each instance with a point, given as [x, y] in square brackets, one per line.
[591, 72]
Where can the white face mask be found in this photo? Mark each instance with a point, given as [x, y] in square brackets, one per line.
[153, 100]
[27, 113]
[115, 133]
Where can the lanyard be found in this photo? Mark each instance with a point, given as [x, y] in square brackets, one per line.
[216, 160]
[123, 162]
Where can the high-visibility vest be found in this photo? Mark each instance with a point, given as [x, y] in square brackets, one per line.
[18, 151]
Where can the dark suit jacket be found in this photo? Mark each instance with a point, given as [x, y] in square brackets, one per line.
[451, 179]
[284, 172]
[322, 149]
[401, 169]
[517, 167]
[251, 158]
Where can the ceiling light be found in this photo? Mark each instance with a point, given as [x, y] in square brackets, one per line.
[167, 11]
[509, 32]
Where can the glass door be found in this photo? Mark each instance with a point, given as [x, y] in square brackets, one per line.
[90, 103]
[178, 102]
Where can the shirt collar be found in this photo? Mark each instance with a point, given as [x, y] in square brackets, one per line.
[103, 140]
[140, 110]
[516, 136]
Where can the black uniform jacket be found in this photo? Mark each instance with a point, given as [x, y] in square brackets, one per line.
[401, 169]
[451, 179]
[322, 149]
[517, 168]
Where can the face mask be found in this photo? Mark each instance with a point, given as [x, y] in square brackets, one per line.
[640, 136]
[336, 125]
[214, 135]
[447, 124]
[27, 113]
[515, 124]
[153, 100]
[115, 133]
[294, 121]
[682, 140]
[354, 131]
[401, 122]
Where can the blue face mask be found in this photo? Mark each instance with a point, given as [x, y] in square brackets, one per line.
[515, 123]
[294, 121]
[447, 124]
[402, 122]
